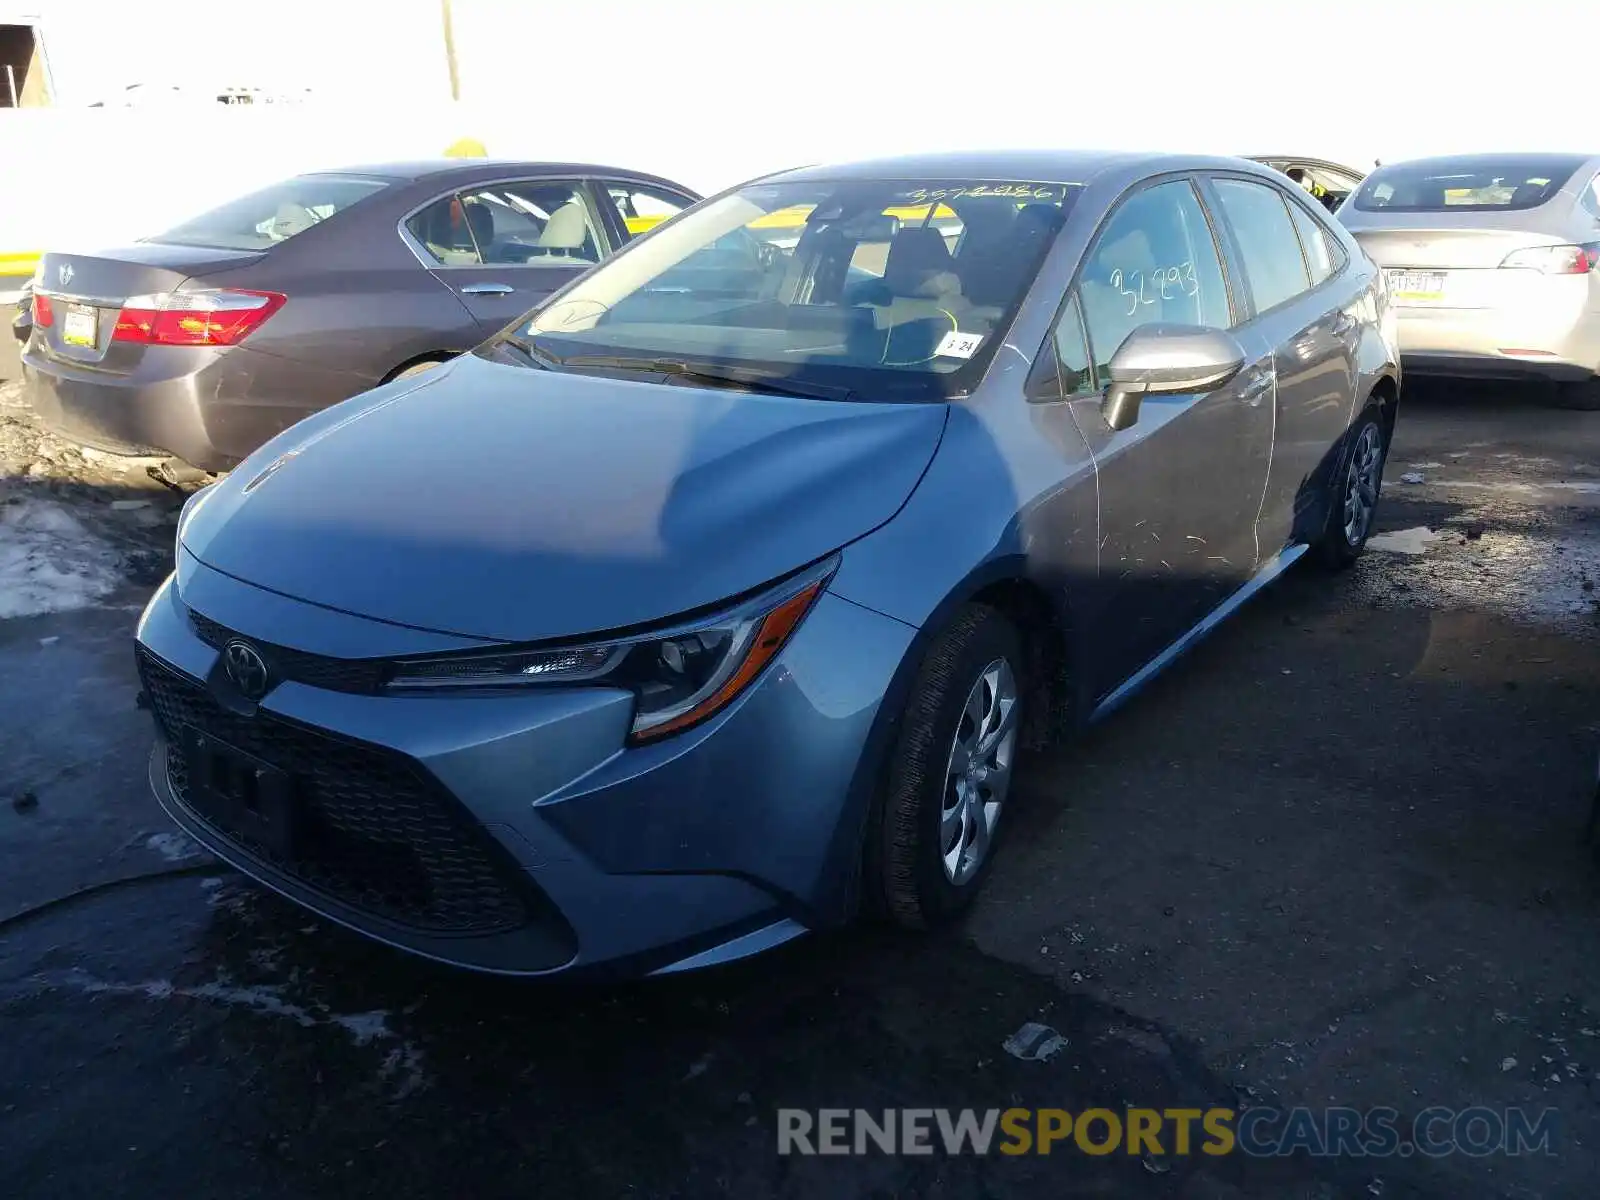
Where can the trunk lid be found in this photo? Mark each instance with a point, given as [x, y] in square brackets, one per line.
[86, 292]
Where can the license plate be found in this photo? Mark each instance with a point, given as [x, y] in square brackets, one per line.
[241, 793]
[80, 326]
[1416, 285]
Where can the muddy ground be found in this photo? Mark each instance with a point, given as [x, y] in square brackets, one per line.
[1334, 857]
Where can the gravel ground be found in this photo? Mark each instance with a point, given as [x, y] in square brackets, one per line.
[1334, 857]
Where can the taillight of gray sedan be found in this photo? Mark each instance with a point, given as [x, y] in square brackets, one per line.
[766, 549]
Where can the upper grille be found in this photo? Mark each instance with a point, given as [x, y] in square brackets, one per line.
[314, 670]
[378, 834]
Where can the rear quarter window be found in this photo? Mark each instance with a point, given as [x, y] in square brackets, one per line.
[273, 215]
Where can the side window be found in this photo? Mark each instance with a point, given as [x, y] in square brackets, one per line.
[1591, 197]
[1324, 256]
[538, 223]
[1267, 241]
[1072, 353]
[442, 232]
[643, 208]
[1154, 261]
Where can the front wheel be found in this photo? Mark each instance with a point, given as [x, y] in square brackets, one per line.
[1355, 496]
[950, 776]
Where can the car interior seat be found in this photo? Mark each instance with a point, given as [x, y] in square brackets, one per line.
[919, 277]
[448, 237]
[290, 219]
[566, 234]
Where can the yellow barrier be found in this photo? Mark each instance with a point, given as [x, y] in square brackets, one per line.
[19, 265]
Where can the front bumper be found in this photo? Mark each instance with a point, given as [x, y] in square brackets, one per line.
[718, 842]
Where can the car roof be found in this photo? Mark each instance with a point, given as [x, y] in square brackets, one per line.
[1039, 166]
[413, 170]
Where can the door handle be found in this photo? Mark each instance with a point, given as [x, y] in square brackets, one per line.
[487, 289]
[1343, 324]
[1255, 386]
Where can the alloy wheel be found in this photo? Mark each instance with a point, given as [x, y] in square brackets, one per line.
[1361, 484]
[979, 772]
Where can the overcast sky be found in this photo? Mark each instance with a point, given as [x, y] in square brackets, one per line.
[716, 90]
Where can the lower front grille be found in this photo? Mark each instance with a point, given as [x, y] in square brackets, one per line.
[376, 832]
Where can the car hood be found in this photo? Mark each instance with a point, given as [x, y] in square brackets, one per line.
[514, 504]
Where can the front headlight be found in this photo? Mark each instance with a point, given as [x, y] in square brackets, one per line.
[679, 676]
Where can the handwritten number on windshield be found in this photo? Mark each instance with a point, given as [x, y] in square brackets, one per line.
[1161, 283]
[1015, 191]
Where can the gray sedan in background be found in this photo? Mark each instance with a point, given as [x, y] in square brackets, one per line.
[1493, 265]
[206, 340]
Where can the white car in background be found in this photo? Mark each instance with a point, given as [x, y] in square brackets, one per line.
[1493, 263]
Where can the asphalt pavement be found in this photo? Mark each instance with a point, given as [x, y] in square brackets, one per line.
[1335, 857]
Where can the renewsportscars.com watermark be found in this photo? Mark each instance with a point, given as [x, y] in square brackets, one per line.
[1256, 1132]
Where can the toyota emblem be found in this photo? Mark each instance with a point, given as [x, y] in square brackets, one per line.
[246, 668]
[64, 274]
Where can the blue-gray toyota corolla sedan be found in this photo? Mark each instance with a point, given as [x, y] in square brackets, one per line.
[713, 601]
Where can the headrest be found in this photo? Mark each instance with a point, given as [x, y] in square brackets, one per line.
[567, 228]
[1038, 220]
[918, 264]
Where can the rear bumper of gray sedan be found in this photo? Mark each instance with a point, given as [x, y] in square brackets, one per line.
[210, 408]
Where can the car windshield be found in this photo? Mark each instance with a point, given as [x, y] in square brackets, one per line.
[890, 288]
[1471, 185]
[275, 214]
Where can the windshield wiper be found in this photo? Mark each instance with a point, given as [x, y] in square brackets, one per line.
[710, 373]
[530, 353]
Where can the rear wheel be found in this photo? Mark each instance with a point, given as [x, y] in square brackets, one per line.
[950, 775]
[1355, 496]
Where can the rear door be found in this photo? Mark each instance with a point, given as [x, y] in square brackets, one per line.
[503, 247]
[1305, 302]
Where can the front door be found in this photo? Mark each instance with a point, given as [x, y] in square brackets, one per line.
[504, 247]
[1180, 489]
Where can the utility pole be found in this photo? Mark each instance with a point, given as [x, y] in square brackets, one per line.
[450, 51]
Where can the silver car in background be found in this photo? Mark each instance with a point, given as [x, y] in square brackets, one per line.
[1493, 264]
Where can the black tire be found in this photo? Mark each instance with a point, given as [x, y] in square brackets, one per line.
[1339, 548]
[906, 857]
[1584, 396]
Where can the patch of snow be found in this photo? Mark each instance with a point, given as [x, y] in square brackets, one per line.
[174, 847]
[1034, 1042]
[51, 563]
[1404, 541]
[1427, 466]
[1411, 477]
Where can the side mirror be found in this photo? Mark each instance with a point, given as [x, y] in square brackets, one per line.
[1167, 360]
